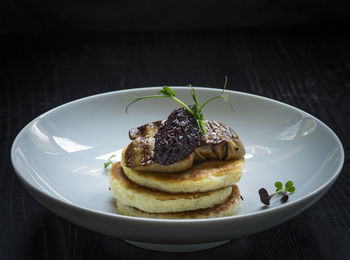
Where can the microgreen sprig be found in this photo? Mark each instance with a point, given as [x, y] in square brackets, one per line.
[198, 115]
[220, 96]
[288, 188]
[109, 161]
[196, 111]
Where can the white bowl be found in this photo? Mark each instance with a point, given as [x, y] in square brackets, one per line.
[59, 158]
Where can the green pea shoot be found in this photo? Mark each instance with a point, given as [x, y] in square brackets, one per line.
[109, 161]
[196, 111]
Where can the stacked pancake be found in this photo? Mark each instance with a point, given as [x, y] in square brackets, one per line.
[202, 185]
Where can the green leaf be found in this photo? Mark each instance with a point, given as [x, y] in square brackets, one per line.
[107, 164]
[167, 91]
[278, 185]
[292, 189]
[288, 185]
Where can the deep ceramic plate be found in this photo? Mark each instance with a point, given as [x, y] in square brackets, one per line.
[59, 158]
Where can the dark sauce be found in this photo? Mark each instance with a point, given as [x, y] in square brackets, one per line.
[176, 138]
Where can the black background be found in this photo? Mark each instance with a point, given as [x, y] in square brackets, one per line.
[36, 16]
[54, 53]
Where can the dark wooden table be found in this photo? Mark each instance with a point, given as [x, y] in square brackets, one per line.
[307, 68]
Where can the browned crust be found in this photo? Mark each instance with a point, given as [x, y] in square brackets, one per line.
[142, 130]
[180, 166]
[143, 140]
[217, 133]
[233, 199]
[118, 173]
[147, 154]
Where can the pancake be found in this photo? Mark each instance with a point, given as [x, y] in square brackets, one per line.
[203, 176]
[227, 208]
[154, 201]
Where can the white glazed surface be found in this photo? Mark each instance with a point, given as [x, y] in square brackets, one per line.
[59, 158]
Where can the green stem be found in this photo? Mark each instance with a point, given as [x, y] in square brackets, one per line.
[278, 192]
[219, 96]
[201, 124]
[209, 100]
[134, 100]
[183, 104]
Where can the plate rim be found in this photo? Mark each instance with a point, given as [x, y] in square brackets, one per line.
[266, 211]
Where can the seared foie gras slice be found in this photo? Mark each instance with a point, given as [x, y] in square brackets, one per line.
[139, 153]
[219, 143]
[146, 130]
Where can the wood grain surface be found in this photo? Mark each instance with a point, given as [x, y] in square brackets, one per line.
[307, 68]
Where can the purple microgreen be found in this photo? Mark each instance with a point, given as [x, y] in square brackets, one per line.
[284, 198]
[265, 197]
